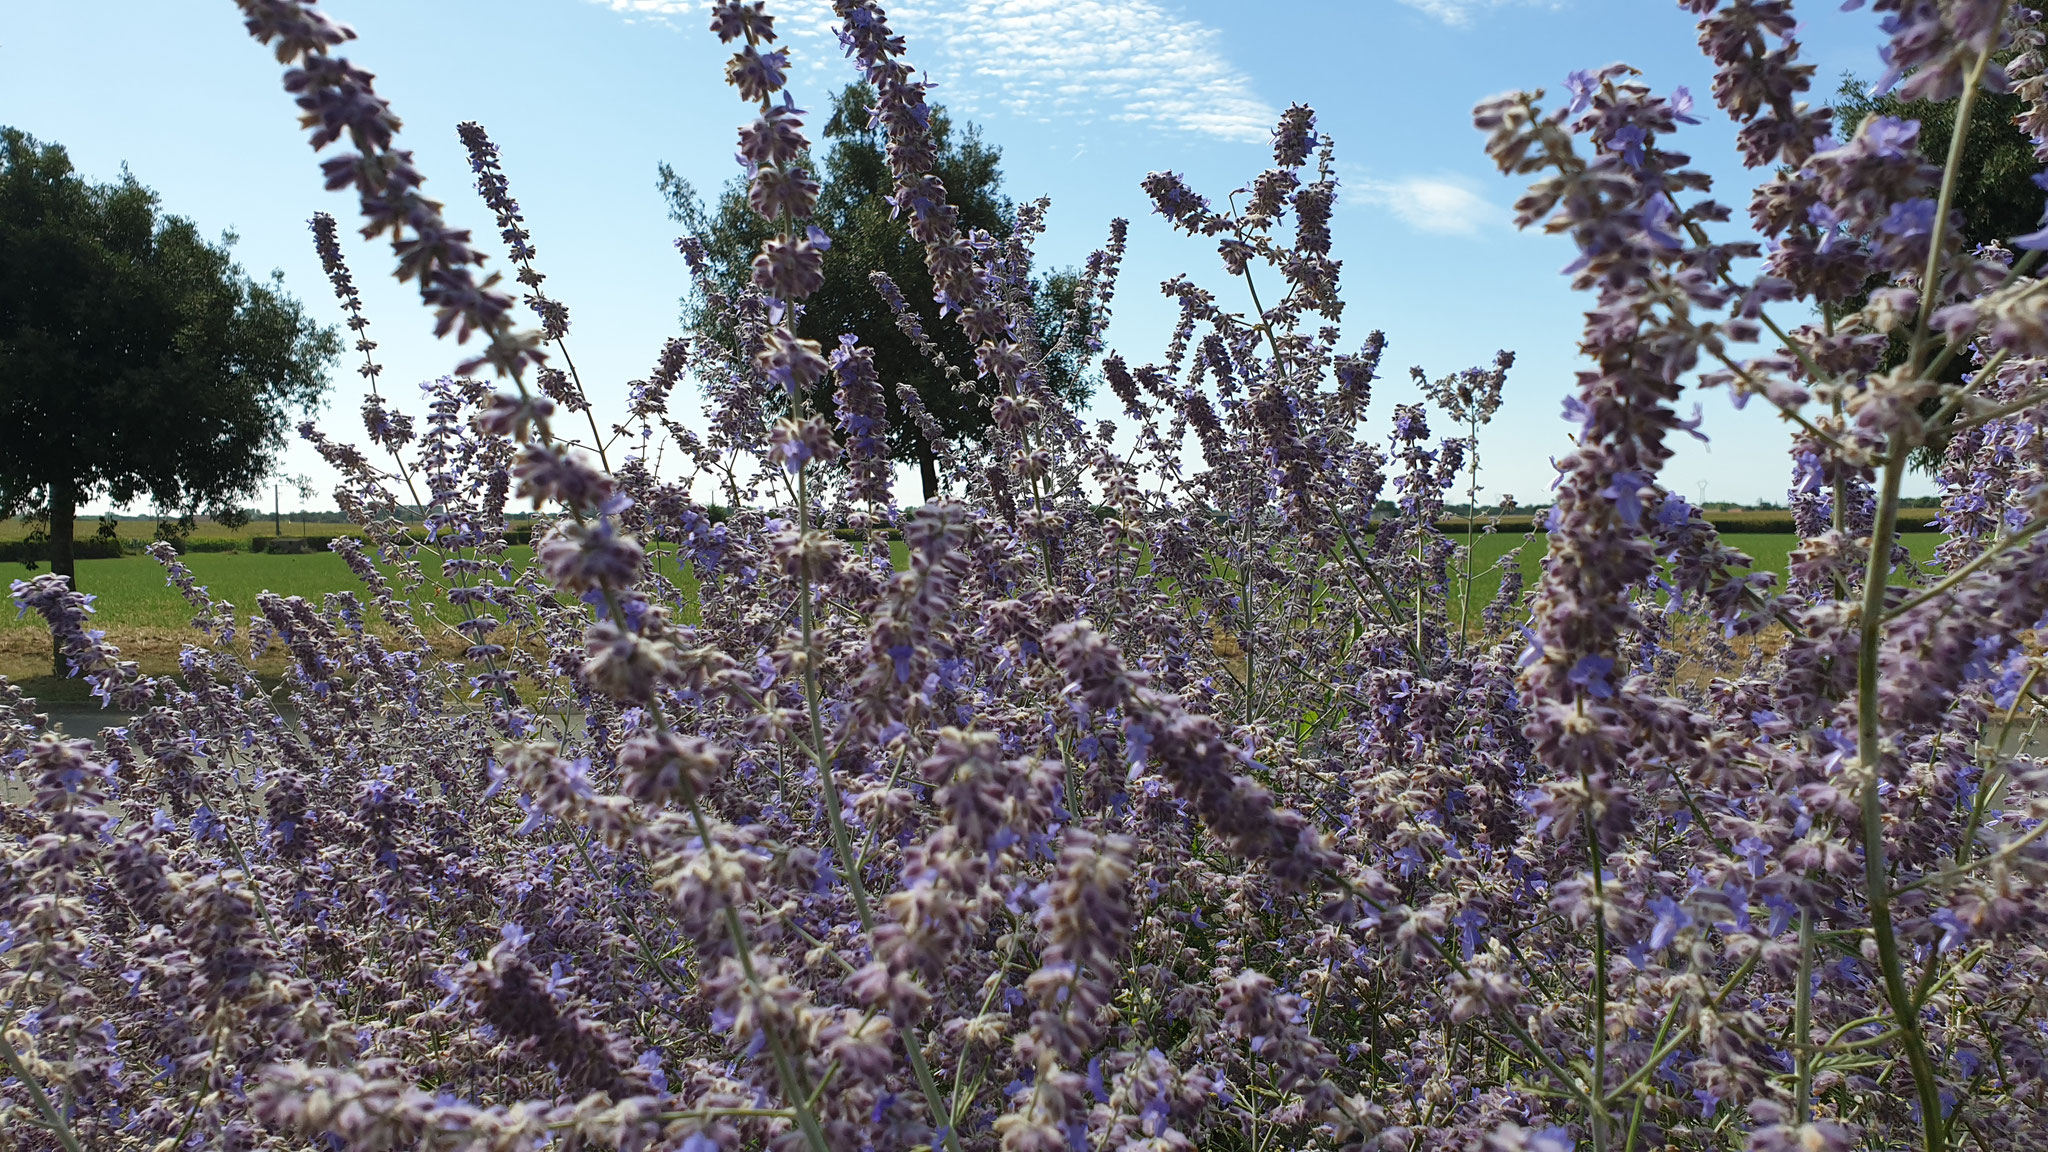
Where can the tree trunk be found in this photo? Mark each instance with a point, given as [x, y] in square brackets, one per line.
[63, 527]
[927, 470]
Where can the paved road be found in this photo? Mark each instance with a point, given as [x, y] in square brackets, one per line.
[83, 721]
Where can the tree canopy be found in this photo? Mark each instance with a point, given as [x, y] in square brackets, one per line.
[136, 358]
[1995, 194]
[854, 209]
[1995, 191]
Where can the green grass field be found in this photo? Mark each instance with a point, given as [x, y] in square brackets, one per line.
[147, 617]
[1770, 550]
[132, 591]
[150, 621]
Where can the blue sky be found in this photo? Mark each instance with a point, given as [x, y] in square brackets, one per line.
[585, 97]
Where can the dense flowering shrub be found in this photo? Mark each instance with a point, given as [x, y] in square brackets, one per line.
[1151, 799]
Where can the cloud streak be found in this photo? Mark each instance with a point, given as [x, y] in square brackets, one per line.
[1440, 206]
[1460, 13]
[1132, 62]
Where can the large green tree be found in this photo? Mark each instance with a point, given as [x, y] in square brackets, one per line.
[853, 207]
[1995, 193]
[136, 359]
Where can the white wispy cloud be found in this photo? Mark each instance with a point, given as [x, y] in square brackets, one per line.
[1440, 205]
[1128, 61]
[1459, 13]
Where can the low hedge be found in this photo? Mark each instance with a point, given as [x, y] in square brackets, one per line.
[38, 551]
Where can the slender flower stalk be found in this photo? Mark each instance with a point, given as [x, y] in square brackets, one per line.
[553, 314]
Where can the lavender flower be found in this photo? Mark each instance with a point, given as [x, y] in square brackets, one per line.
[1122, 799]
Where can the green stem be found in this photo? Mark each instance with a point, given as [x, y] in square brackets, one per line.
[632, 922]
[1506, 1016]
[1244, 596]
[1960, 574]
[1658, 1051]
[1421, 582]
[1993, 777]
[1870, 755]
[842, 844]
[787, 1072]
[1986, 416]
[1343, 528]
[1471, 523]
[1930, 283]
[52, 1120]
[1598, 1119]
[590, 413]
[1802, 1021]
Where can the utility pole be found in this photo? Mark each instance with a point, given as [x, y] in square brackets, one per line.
[277, 509]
